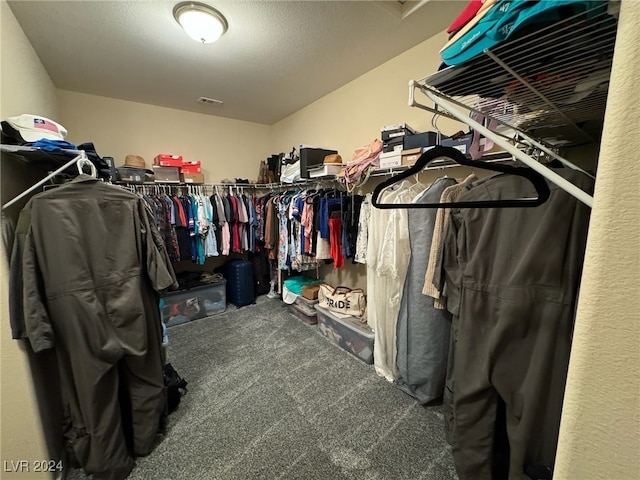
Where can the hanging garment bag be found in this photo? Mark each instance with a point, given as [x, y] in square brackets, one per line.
[239, 275]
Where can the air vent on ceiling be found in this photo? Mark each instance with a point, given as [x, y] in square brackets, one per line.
[210, 101]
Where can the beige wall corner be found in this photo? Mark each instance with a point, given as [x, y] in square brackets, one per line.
[25, 88]
[600, 429]
[227, 148]
[21, 437]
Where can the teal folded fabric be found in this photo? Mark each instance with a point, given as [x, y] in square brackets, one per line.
[295, 284]
[507, 17]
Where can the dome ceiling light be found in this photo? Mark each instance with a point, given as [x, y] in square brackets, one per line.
[201, 22]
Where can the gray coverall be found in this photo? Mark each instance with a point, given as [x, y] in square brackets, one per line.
[92, 262]
[512, 280]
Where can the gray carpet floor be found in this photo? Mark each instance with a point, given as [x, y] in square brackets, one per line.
[270, 398]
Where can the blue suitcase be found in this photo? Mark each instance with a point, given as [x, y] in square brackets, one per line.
[239, 275]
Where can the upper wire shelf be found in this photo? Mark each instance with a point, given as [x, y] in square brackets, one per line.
[551, 84]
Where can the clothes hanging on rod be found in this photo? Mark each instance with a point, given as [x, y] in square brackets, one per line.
[512, 279]
[434, 286]
[296, 227]
[388, 250]
[220, 219]
[94, 300]
[422, 330]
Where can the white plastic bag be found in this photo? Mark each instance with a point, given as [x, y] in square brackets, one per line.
[290, 173]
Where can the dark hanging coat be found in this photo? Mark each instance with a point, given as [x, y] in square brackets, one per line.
[92, 263]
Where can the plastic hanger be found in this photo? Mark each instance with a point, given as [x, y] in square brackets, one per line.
[85, 162]
[534, 177]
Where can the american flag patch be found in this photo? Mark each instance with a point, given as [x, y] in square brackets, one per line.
[45, 125]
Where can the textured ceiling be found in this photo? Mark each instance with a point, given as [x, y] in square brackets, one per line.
[276, 57]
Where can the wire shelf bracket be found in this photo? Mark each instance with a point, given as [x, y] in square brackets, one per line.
[516, 152]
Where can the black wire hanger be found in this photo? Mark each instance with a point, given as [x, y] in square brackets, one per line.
[458, 157]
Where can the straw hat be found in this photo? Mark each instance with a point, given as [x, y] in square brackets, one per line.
[333, 158]
[136, 161]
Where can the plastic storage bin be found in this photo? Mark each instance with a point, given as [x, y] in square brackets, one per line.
[310, 318]
[185, 305]
[348, 333]
[166, 174]
[307, 304]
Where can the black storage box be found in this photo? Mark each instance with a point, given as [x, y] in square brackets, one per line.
[392, 132]
[419, 140]
[131, 174]
[391, 145]
[462, 143]
[312, 157]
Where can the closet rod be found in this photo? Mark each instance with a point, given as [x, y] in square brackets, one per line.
[523, 157]
[257, 186]
[434, 166]
[81, 156]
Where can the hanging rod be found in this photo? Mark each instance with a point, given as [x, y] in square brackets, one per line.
[255, 186]
[438, 165]
[520, 155]
[81, 156]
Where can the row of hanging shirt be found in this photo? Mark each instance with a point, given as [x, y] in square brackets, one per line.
[301, 228]
[298, 228]
[196, 226]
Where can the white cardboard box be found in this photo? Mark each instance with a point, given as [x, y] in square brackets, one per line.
[391, 159]
[325, 170]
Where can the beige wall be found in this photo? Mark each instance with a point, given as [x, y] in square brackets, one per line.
[25, 88]
[600, 430]
[227, 148]
[352, 116]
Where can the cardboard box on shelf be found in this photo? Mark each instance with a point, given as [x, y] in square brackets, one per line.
[192, 178]
[391, 159]
[392, 145]
[191, 167]
[325, 170]
[167, 160]
[409, 157]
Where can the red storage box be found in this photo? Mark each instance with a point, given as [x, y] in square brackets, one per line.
[191, 167]
[166, 160]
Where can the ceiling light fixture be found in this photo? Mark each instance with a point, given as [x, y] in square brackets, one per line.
[201, 22]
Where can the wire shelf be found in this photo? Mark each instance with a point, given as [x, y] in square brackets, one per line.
[551, 84]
